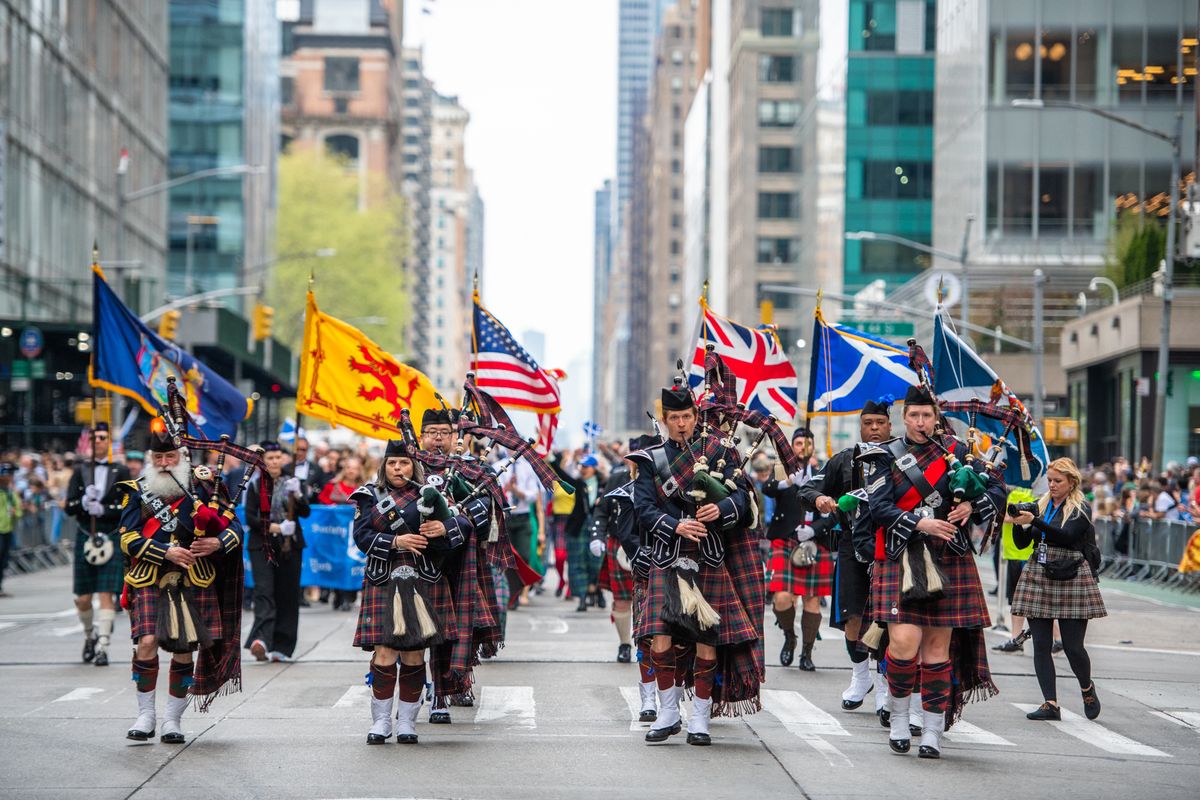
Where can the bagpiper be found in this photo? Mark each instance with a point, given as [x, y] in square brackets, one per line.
[925, 584]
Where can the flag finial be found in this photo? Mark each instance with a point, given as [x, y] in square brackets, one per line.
[704, 294]
[95, 254]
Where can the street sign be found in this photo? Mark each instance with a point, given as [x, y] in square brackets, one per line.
[31, 342]
[37, 368]
[20, 369]
[885, 328]
[21, 384]
[1143, 386]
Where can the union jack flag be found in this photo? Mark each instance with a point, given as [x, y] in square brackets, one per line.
[766, 380]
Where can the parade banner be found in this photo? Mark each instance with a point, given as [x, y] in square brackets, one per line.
[331, 559]
[850, 367]
[346, 379]
[766, 379]
[960, 374]
[131, 360]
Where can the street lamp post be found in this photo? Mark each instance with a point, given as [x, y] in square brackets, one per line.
[960, 258]
[1175, 139]
[1099, 281]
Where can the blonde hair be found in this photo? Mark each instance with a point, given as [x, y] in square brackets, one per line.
[1075, 500]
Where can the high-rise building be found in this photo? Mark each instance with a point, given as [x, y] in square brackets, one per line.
[601, 268]
[79, 84]
[224, 112]
[416, 123]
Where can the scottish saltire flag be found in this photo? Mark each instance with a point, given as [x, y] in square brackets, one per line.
[131, 360]
[287, 432]
[850, 367]
[766, 380]
[960, 375]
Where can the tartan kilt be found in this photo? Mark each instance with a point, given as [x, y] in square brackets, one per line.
[108, 577]
[612, 577]
[812, 581]
[715, 584]
[143, 610]
[963, 605]
[373, 612]
[1041, 598]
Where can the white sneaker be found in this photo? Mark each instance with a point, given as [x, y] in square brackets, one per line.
[172, 731]
[381, 720]
[859, 688]
[143, 726]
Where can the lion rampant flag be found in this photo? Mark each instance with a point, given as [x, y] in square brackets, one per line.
[347, 379]
[1191, 555]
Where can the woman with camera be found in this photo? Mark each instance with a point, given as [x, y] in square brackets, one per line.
[1059, 583]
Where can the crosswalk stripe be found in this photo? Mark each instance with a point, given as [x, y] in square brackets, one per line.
[352, 697]
[4, 625]
[807, 722]
[964, 732]
[511, 703]
[556, 625]
[1097, 735]
[82, 693]
[1186, 719]
[634, 700]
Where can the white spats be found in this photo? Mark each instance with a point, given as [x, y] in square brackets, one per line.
[900, 713]
[172, 731]
[860, 683]
[701, 714]
[381, 716]
[143, 726]
[406, 717]
[932, 726]
[668, 708]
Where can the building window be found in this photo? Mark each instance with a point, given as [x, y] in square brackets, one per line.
[341, 74]
[886, 180]
[778, 113]
[676, 166]
[779, 22]
[778, 250]
[778, 159]
[676, 221]
[675, 248]
[287, 90]
[778, 205]
[776, 69]
[673, 328]
[903, 108]
[879, 25]
[344, 145]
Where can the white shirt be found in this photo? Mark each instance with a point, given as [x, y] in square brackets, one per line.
[1165, 502]
[527, 486]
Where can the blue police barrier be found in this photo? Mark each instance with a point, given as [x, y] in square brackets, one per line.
[331, 559]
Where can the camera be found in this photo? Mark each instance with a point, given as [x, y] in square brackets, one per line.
[1015, 509]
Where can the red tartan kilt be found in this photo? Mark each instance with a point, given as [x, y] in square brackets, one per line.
[372, 613]
[143, 610]
[962, 607]
[735, 626]
[612, 577]
[814, 581]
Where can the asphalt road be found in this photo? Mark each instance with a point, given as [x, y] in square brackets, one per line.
[553, 719]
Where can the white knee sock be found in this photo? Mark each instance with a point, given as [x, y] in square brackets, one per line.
[623, 620]
[105, 617]
[85, 618]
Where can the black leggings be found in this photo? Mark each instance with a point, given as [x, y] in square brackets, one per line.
[1073, 631]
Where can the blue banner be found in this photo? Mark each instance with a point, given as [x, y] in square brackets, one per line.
[850, 367]
[131, 360]
[331, 559]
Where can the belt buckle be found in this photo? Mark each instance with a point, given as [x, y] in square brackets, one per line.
[934, 500]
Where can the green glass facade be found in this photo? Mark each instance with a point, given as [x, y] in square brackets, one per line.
[889, 137]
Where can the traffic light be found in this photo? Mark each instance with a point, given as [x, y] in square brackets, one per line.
[167, 324]
[264, 315]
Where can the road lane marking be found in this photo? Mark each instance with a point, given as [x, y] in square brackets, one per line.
[807, 722]
[1097, 735]
[511, 703]
[964, 732]
[82, 693]
[556, 625]
[353, 697]
[4, 625]
[1186, 719]
[36, 616]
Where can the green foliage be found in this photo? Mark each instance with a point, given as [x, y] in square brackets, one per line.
[1135, 249]
[363, 283]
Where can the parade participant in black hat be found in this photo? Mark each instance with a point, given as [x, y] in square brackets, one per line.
[276, 586]
[852, 581]
[693, 594]
[185, 584]
[93, 499]
[801, 565]
[407, 606]
[925, 584]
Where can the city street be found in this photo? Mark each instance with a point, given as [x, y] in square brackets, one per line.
[553, 719]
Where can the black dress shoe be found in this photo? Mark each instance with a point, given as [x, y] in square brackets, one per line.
[171, 738]
[558, 590]
[406, 738]
[649, 715]
[1046, 711]
[662, 734]
[788, 652]
[850, 705]
[914, 730]
[101, 658]
[589, 598]
[806, 663]
[1091, 703]
[89, 648]
[139, 736]
[1011, 646]
[699, 739]
[900, 746]
[583, 604]
[376, 738]
[885, 717]
[928, 751]
[600, 602]
[625, 653]
[439, 718]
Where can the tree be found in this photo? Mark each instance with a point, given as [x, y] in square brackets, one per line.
[363, 283]
[1136, 249]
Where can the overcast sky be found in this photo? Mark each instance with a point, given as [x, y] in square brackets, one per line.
[539, 78]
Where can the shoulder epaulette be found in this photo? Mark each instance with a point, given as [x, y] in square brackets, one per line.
[623, 491]
[867, 451]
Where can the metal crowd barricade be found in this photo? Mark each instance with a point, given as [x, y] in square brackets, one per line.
[1152, 553]
[36, 544]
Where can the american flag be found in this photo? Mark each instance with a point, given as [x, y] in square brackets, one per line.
[512, 377]
[766, 380]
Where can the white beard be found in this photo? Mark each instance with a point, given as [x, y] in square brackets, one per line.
[159, 482]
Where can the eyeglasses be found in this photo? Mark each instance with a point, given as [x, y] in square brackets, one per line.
[437, 434]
